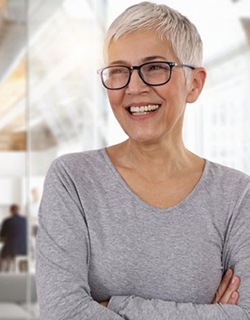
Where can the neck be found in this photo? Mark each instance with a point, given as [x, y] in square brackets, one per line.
[155, 162]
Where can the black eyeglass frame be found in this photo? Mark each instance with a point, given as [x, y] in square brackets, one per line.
[138, 68]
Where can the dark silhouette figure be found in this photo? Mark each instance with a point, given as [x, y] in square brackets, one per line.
[14, 235]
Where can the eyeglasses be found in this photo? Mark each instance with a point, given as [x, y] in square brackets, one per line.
[154, 73]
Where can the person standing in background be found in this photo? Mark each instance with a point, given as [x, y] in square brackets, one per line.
[14, 236]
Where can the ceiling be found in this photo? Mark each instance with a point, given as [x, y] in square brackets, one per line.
[43, 89]
[13, 78]
[42, 78]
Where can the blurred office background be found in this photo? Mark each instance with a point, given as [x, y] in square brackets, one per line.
[52, 101]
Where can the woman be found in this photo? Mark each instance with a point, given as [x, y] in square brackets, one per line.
[145, 229]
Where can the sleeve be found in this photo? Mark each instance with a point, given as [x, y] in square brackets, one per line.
[3, 231]
[236, 254]
[62, 251]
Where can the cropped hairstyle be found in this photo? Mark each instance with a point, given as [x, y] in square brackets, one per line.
[169, 24]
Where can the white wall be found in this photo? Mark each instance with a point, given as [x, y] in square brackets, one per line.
[20, 172]
[12, 164]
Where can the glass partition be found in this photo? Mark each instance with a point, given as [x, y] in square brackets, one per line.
[16, 280]
[67, 111]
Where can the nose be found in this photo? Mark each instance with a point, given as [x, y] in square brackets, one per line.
[136, 84]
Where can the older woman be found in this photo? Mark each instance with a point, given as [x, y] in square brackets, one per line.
[145, 229]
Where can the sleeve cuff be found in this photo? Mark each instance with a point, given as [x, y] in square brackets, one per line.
[118, 303]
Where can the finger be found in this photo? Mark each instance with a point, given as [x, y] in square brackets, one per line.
[233, 287]
[234, 298]
[227, 278]
[104, 303]
[235, 283]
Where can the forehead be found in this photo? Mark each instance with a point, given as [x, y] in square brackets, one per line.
[135, 47]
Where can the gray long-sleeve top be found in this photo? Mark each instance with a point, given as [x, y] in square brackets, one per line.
[97, 240]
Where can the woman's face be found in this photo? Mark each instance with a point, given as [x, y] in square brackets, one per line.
[168, 101]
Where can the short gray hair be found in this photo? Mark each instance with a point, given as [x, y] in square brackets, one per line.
[169, 24]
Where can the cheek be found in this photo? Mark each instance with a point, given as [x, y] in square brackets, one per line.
[115, 98]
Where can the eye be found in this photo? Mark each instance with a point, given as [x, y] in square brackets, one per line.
[116, 71]
[156, 67]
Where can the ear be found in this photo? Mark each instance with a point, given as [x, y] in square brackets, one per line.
[196, 85]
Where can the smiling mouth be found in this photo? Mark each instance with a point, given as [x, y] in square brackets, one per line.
[137, 111]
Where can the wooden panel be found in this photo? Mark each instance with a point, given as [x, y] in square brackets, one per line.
[13, 141]
[13, 88]
[17, 123]
[2, 4]
[246, 25]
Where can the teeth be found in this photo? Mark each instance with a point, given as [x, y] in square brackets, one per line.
[144, 109]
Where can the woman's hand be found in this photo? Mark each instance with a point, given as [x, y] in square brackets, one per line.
[104, 303]
[227, 292]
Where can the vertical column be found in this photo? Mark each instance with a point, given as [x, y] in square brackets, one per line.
[98, 110]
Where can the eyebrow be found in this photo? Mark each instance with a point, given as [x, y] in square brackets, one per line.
[150, 58]
[146, 59]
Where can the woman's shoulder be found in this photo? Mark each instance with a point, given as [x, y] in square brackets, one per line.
[83, 156]
[226, 175]
[80, 161]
